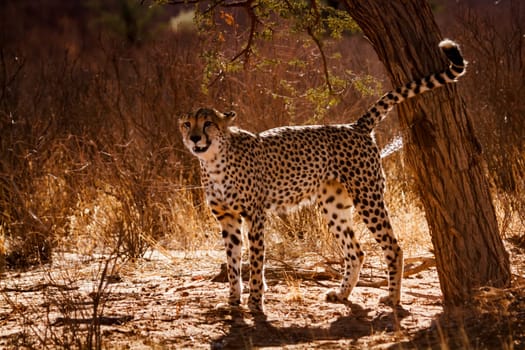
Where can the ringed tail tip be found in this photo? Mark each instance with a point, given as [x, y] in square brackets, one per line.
[453, 53]
[448, 44]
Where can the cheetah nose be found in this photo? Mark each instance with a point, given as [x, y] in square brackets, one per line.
[195, 138]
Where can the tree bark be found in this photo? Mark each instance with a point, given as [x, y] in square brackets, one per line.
[441, 150]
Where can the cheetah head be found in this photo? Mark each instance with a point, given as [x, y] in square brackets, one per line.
[204, 130]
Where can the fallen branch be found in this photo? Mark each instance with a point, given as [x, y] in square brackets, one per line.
[327, 272]
[102, 320]
[425, 263]
[38, 287]
[280, 272]
[190, 286]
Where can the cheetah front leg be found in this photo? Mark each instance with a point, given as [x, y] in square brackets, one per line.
[257, 251]
[336, 206]
[231, 233]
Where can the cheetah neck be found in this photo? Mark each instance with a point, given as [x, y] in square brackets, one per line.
[213, 163]
[236, 148]
[216, 151]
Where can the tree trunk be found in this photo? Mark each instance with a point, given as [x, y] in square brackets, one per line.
[441, 150]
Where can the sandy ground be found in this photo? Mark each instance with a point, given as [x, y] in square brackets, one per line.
[172, 300]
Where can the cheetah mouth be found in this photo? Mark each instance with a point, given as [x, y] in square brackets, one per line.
[199, 149]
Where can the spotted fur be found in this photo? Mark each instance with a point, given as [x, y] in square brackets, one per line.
[245, 175]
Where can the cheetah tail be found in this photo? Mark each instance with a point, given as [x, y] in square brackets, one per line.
[380, 109]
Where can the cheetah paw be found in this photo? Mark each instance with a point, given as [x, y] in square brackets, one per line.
[223, 306]
[234, 301]
[256, 307]
[334, 296]
[390, 300]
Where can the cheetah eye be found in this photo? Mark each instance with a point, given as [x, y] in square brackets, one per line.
[207, 124]
[186, 125]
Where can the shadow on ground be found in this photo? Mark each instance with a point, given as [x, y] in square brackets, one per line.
[471, 329]
[260, 332]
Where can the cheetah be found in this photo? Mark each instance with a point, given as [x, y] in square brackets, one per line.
[246, 175]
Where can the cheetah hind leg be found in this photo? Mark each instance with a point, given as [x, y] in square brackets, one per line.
[336, 206]
[377, 220]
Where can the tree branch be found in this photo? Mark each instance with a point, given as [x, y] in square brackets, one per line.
[246, 52]
[320, 44]
[222, 3]
[323, 58]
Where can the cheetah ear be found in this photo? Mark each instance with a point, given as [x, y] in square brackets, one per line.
[230, 116]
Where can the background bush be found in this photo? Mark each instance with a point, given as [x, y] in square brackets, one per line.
[91, 157]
